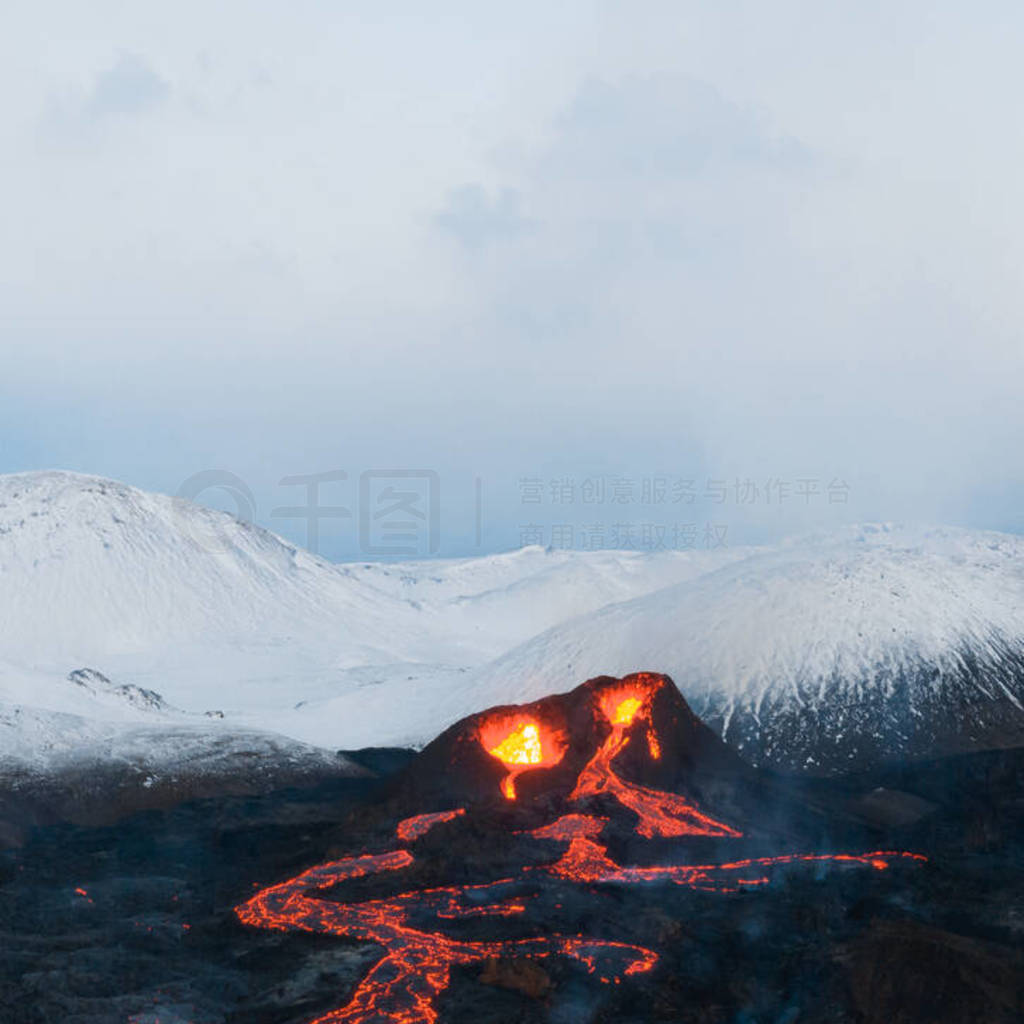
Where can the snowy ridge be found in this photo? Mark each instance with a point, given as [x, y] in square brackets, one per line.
[821, 652]
[90, 568]
[871, 629]
[133, 730]
[154, 595]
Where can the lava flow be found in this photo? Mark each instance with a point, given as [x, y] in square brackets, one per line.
[420, 824]
[415, 966]
[587, 861]
[660, 813]
[403, 985]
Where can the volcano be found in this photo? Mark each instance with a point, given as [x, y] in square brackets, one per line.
[544, 832]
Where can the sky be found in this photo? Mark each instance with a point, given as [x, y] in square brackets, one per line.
[587, 274]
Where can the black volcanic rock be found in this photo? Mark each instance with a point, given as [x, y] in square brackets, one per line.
[136, 922]
[892, 807]
[903, 972]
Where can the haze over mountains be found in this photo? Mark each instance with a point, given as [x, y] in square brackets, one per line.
[822, 652]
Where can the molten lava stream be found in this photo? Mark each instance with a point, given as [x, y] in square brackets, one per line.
[420, 824]
[661, 814]
[587, 861]
[416, 966]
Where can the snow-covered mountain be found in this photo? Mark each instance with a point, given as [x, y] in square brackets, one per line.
[93, 569]
[124, 614]
[205, 613]
[829, 651]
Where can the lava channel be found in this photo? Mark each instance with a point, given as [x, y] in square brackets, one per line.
[415, 967]
[420, 824]
[660, 813]
[587, 861]
[403, 985]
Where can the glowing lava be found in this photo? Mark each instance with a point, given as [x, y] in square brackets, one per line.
[521, 746]
[421, 824]
[571, 826]
[587, 861]
[415, 964]
[625, 711]
[622, 705]
[521, 743]
[660, 813]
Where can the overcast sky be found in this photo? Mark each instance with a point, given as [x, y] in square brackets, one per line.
[697, 242]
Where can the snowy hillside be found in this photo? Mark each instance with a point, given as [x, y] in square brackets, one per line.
[90, 568]
[498, 601]
[828, 651]
[161, 596]
[123, 611]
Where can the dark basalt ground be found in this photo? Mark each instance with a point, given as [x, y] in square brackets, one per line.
[151, 937]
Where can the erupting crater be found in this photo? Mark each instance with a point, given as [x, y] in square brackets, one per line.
[520, 742]
[609, 741]
[659, 813]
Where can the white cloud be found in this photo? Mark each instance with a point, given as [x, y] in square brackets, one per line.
[596, 235]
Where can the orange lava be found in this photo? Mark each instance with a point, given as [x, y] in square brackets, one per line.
[660, 813]
[653, 745]
[625, 711]
[622, 705]
[571, 826]
[416, 966]
[521, 746]
[586, 861]
[522, 743]
[421, 824]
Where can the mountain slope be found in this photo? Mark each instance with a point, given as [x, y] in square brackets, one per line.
[497, 601]
[826, 652]
[208, 613]
[91, 568]
[823, 652]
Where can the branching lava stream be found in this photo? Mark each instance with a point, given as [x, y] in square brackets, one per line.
[415, 966]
